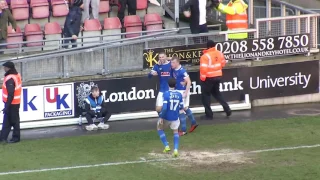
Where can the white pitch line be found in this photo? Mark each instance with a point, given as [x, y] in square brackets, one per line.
[152, 160]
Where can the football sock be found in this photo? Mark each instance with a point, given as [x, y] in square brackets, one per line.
[183, 122]
[190, 116]
[176, 141]
[163, 137]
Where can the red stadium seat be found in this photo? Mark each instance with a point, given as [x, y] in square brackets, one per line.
[59, 8]
[112, 23]
[91, 28]
[153, 22]
[40, 9]
[33, 33]
[52, 28]
[14, 37]
[132, 24]
[142, 4]
[52, 31]
[20, 9]
[104, 6]
[111, 26]
[92, 25]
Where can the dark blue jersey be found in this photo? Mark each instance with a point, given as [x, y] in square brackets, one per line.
[172, 104]
[164, 74]
[180, 74]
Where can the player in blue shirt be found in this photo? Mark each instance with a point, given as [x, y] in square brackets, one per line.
[183, 84]
[162, 70]
[169, 115]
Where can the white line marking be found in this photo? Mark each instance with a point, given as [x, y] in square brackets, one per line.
[152, 160]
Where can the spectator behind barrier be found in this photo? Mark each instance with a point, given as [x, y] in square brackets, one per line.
[196, 10]
[236, 17]
[5, 17]
[86, 9]
[132, 8]
[96, 108]
[72, 24]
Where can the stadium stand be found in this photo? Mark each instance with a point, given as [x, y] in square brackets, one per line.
[153, 22]
[104, 9]
[40, 9]
[59, 8]
[142, 7]
[33, 32]
[91, 27]
[132, 24]
[14, 37]
[111, 26]
[52, 31]
[20, 9]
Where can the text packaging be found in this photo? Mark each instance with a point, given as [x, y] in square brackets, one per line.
[140, 93]
[45, 102]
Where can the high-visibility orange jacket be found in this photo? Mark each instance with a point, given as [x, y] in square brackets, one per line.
[211, 63]
[17, 91]
[236, 17]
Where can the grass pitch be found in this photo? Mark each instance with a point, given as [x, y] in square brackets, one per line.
[211, 152]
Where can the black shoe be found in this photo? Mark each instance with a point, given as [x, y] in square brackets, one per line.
[205, 117]
[14, 141]
[229, 112]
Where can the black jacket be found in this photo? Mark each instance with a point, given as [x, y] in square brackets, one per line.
[10, 88]
[193, 6]
[93, 113]
[73, 22]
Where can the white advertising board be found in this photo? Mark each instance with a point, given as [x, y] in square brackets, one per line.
[45, 102]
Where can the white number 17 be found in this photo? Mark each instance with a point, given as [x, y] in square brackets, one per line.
[174, 104]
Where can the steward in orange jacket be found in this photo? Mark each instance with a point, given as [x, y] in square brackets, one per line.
[211, 63]
[11, 96]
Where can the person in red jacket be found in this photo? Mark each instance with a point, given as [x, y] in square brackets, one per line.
[211, 63]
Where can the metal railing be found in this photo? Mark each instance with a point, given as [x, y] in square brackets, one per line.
[58, 43]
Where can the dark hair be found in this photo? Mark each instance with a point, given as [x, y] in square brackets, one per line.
[172, 83]
[162, 52]
[176, 59]
[94, 88]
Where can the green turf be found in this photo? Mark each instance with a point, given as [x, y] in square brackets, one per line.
[301, 164]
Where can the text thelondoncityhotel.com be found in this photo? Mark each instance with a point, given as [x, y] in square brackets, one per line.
[281, 52]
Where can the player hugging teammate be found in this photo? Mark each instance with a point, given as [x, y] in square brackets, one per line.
[165, 70]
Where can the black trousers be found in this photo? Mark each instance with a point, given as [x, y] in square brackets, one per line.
[106, 116]
[11, 119]
[132, 8]
[211, 87]
[200, 29]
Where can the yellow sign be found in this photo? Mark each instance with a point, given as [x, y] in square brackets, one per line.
[187, 54]
[150, 57]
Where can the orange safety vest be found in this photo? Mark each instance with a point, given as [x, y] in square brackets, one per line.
[17, 90]
[237, 21]
[211, 63]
